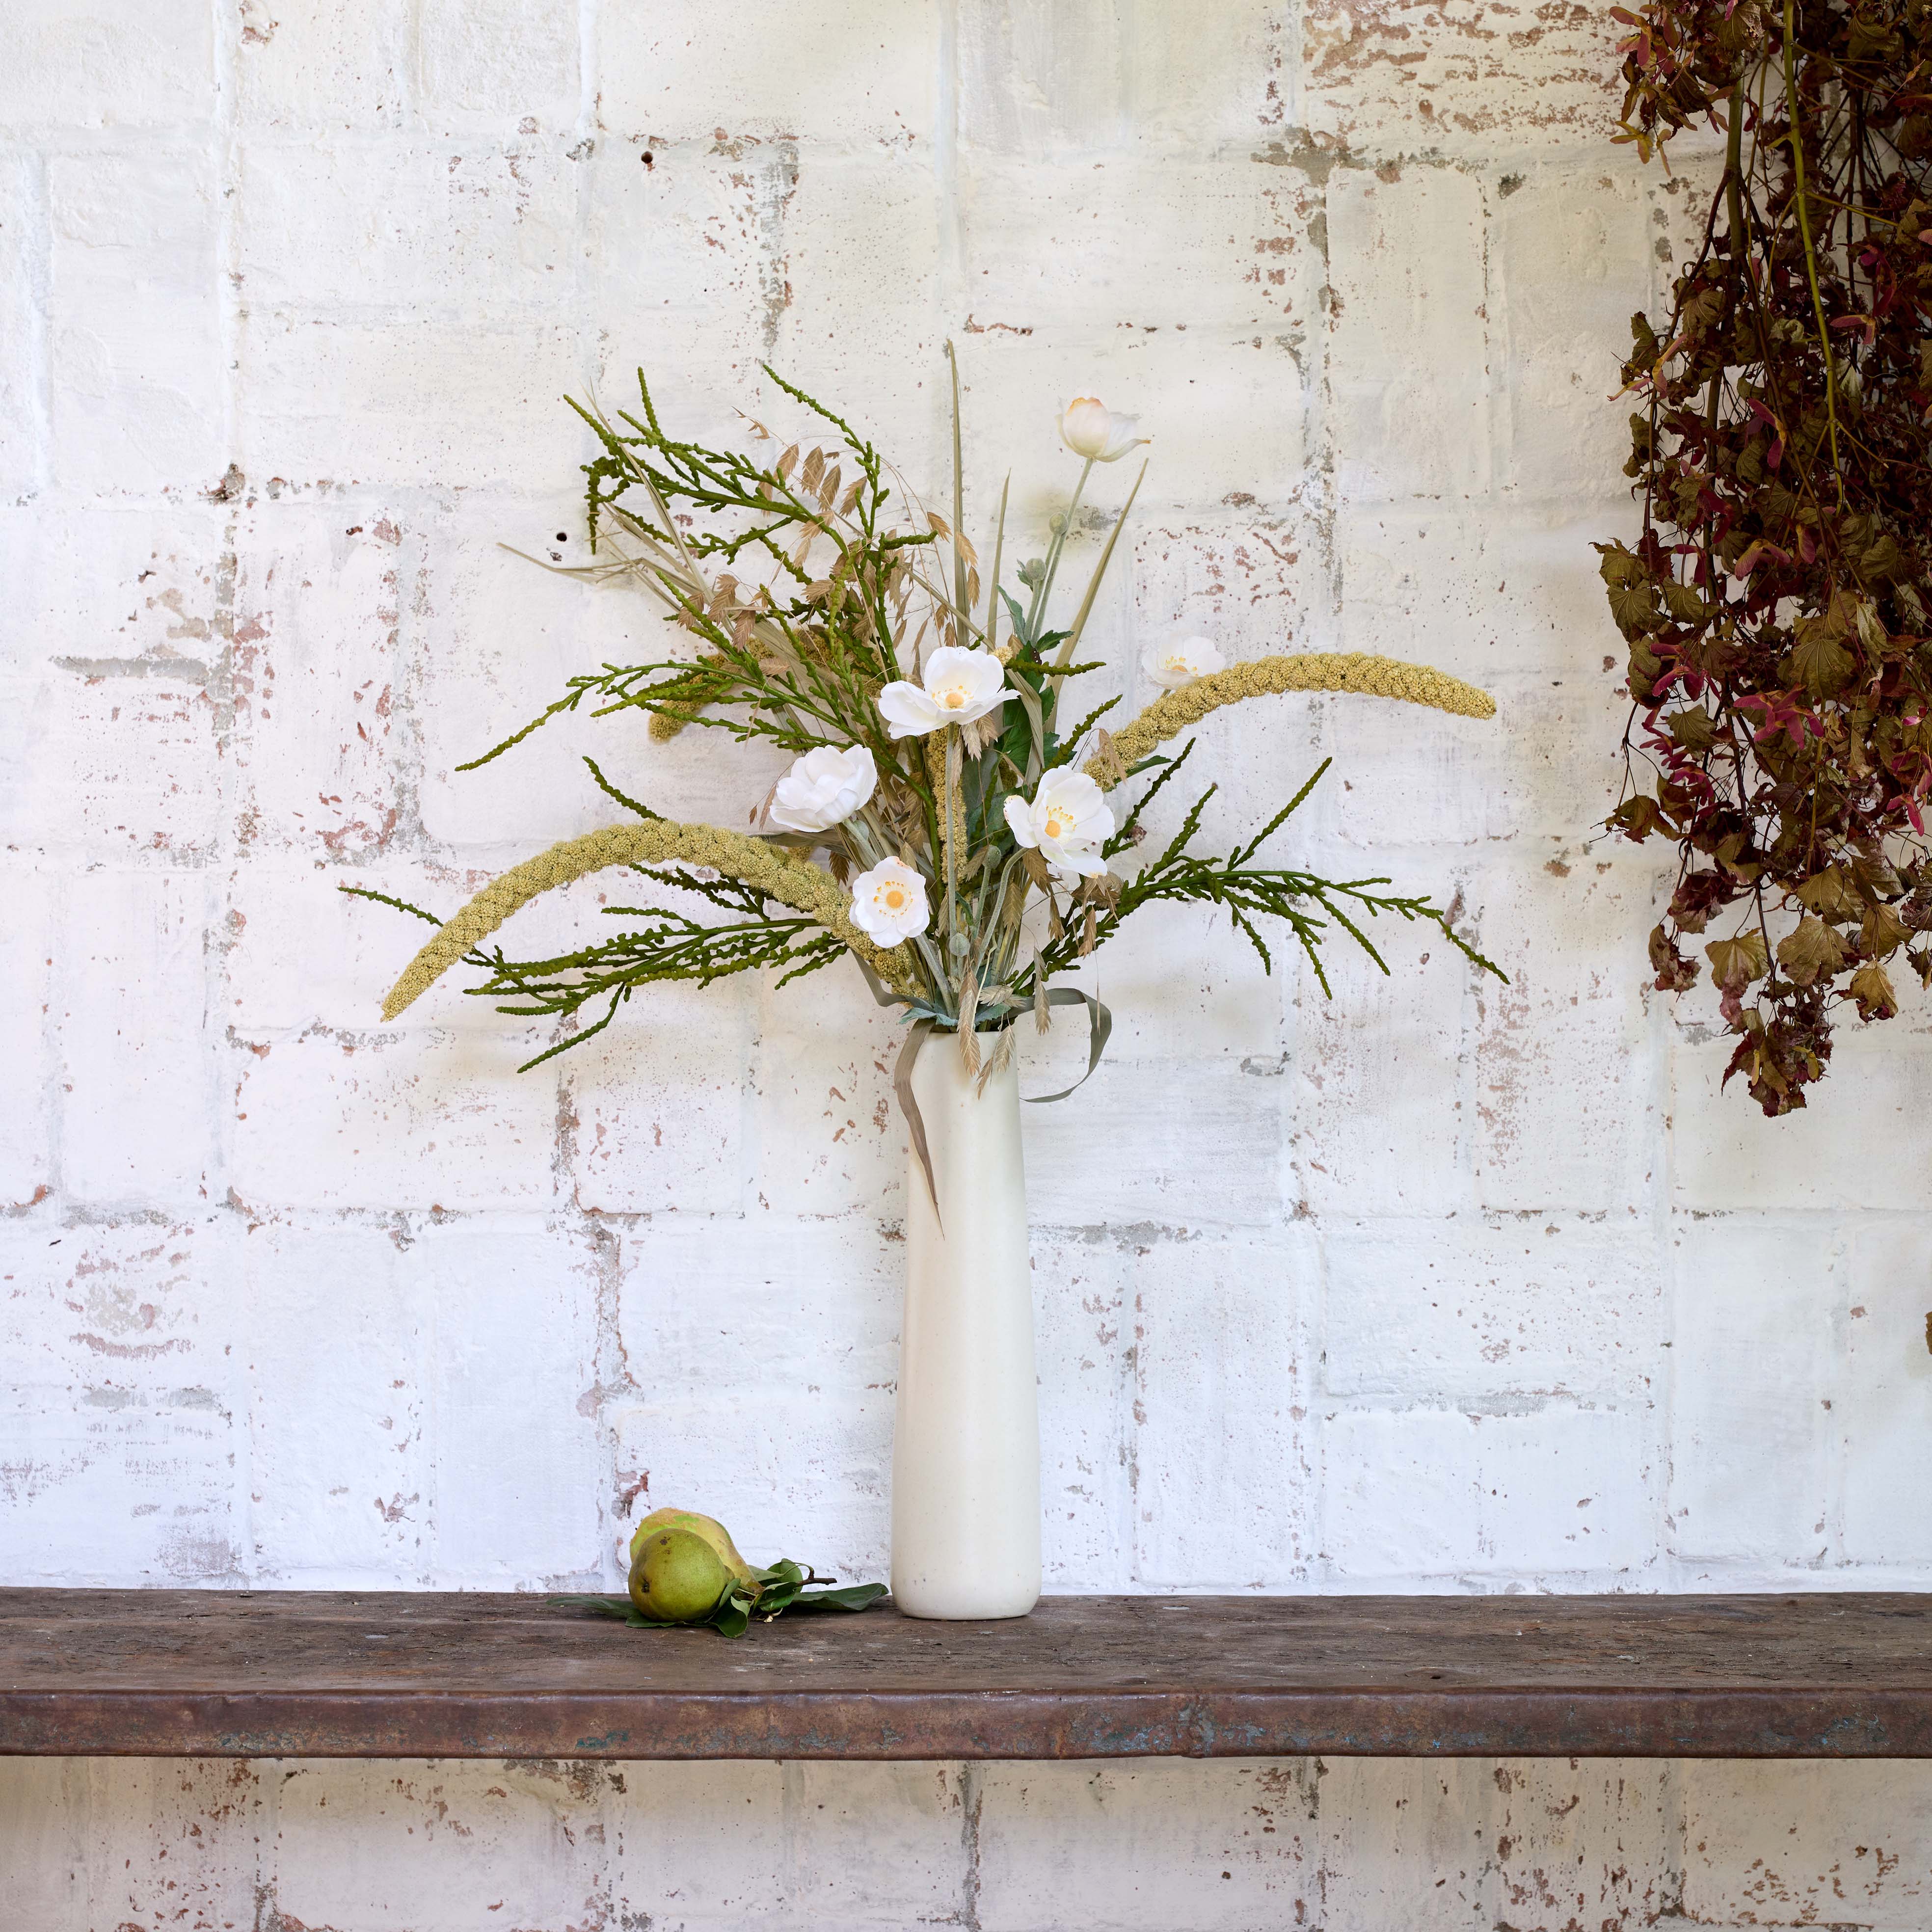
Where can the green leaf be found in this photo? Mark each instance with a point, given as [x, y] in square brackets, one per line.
[1634, 607]
[732, 1617]
[851, 1596]
[1693, 729]
[621, 1608]
[1819, 661]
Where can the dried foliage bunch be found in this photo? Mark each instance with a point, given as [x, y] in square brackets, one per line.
[939, 823]
[1775, 606]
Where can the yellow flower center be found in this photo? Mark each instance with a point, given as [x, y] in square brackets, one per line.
[953, 698]
[1058, 825]
[895, 897]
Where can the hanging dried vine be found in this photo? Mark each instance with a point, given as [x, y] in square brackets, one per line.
[1774, 606]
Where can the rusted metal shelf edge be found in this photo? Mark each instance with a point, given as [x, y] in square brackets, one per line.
[1784, 1722]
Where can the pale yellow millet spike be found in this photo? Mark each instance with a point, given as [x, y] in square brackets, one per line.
[786, 877]
[1263, 677]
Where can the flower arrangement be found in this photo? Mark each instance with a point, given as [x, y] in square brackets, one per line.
[1780, 659]
[939, 822]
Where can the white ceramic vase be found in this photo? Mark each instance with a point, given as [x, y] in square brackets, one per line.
[966, 1435]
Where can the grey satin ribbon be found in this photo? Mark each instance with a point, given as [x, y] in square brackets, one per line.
[1099, 1028]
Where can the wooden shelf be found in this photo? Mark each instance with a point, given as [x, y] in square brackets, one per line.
[250, 1674]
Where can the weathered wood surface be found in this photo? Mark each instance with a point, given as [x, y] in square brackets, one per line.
[385, 1674]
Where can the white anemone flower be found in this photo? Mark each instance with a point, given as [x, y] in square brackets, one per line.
[823, 787]
[889, 902]
[1090, 429]
[1066, 824]
[957, 687]
[1172, 665]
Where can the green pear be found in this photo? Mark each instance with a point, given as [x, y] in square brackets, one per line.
[713, 1532]
[677, 1578]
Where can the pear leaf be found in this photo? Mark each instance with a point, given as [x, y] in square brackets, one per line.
[851, 1596]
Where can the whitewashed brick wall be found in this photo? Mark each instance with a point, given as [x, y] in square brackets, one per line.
[1444, 1285]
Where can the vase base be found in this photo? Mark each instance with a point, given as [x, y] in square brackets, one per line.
[931, 1606]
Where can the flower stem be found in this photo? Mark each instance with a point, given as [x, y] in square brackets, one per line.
[948, 805]
[1038, 611]
[1805, 236]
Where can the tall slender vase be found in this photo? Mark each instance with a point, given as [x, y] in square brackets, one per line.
[966, 1436]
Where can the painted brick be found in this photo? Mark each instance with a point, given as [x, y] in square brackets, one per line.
[1590, 1842]
[1408, 347]
[1218, 1331]
[336, 1355]
[350, 1119]
[320, 593]
[493, 61]
[707, 1843]
[339, 64]
[692, 274]
[495, 640]
[1502, 593]
[1255, 588]
[1569, 1491]
[1060, 82]
[516, 1499]
[122, 768]
[41, 1855]
[1561, 1492]
[1549, 1132]
[1571, 256]
[874, 1844]
[1044, 81]
[135, 590]
[337, 400]
[1401, 1843]
[27, 1103]
[108, 64]
[1231, 408]
[868, 73]
[1177, 979]
[1523, 1306]
[826, 1136]
[1379, 1110]
[1224, 1844]
[1408, 73]
[300, 954]
[131, 1011]
[1167, 1122]
[467, 230]
[1862, 1140]
[1087, 1326]
[120, 1418]
[1754, 1375]
[1885, 1383]
[1139, 243]
[187, 1856]
[764, 1359]
[422, 1846]
[1807, 1844]
[1546, 767]
[855, 320]
[137, 393]
[1399, 1496]
[660, 1104]
[22, 246]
